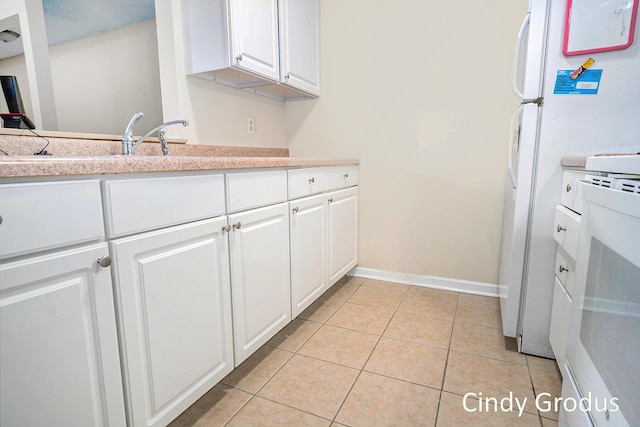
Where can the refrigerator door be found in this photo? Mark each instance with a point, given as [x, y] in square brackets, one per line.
[516, 217]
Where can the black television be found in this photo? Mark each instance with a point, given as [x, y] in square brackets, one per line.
[16, 118]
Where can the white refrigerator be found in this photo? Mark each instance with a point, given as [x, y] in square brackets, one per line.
[552, 122]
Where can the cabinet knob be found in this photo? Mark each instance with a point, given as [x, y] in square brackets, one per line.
[286, 77]
[0, 219]
[561, 228]
[239, 58]
[312, 180]
[237, 226]
[226, 228]
[568, 187]
[331, 200]
[562, 269]
[295, 209]
[346, 175]
[104, 261]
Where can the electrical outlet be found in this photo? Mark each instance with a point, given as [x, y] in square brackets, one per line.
[251, 126]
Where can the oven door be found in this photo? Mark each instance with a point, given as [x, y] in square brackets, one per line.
[603, 348]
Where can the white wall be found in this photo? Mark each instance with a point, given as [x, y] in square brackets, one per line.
[102, 80]
[421, 93]
[217, 114]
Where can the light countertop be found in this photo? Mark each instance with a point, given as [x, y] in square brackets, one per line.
[42, 166]
[78, 156]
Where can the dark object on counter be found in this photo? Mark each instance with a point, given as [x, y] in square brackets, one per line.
[16, 116]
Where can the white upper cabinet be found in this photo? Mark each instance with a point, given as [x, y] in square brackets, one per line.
[254, 36]
[268, 47]
[299, 47]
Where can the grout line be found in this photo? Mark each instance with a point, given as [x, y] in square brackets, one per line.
[340, 305]
[446, 364]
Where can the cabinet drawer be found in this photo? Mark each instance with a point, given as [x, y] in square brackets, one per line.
[342, 176]
[39, 216]
[570, 196]
[305, 182]
[135, 205]
[565, 229]
[565, 269]
[249, 190]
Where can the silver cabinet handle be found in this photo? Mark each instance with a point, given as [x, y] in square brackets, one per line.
[568, 187]
[561, 228]
[331, 200]
[346, 175]
[287, 76]
[562, 269]
[226, 228]
[0, 219]
[104, 261]
[239, 58]
[295, 209]
[237, 226]
[312, 180]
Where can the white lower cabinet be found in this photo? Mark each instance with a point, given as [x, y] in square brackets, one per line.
[194, 292]
[343, 232]
[308, 225]
[173, 299]
[259, 252]
[58, 341]
[559, 321]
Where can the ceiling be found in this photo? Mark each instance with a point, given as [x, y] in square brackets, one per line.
[68, 20]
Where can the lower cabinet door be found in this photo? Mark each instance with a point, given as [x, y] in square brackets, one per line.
[559, 322]
[174, 306]
[59, 362]
[259, 245]
[343, 232]
[308, 219]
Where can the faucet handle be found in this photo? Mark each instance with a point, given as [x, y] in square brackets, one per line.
[163, 141]
[127, 136]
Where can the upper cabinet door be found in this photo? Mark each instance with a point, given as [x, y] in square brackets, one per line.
[300, 44]
[254, 36]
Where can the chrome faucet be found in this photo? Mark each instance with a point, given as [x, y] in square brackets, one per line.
[128, 144]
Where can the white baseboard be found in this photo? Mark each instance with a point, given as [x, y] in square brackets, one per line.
[464, 286]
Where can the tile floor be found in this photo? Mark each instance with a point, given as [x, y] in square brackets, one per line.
[373, 353]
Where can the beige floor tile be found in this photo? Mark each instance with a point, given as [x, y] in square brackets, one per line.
[452, 413]
[433, 292]
[549, 423]
[479, 310]
[262, 412]
[380, 401]
[254, 372]
[361, 318]
[343, 346]
[320, 310]
[215, 408]
[294, 335]
[484, 341]
[546, 378]
[420, 329]
[408, 361]
[352, 280]
[385, 299]
[311, 385]
[467, 373]
[429, 305]
[339, 292]
[373, 283]
[541, 363]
